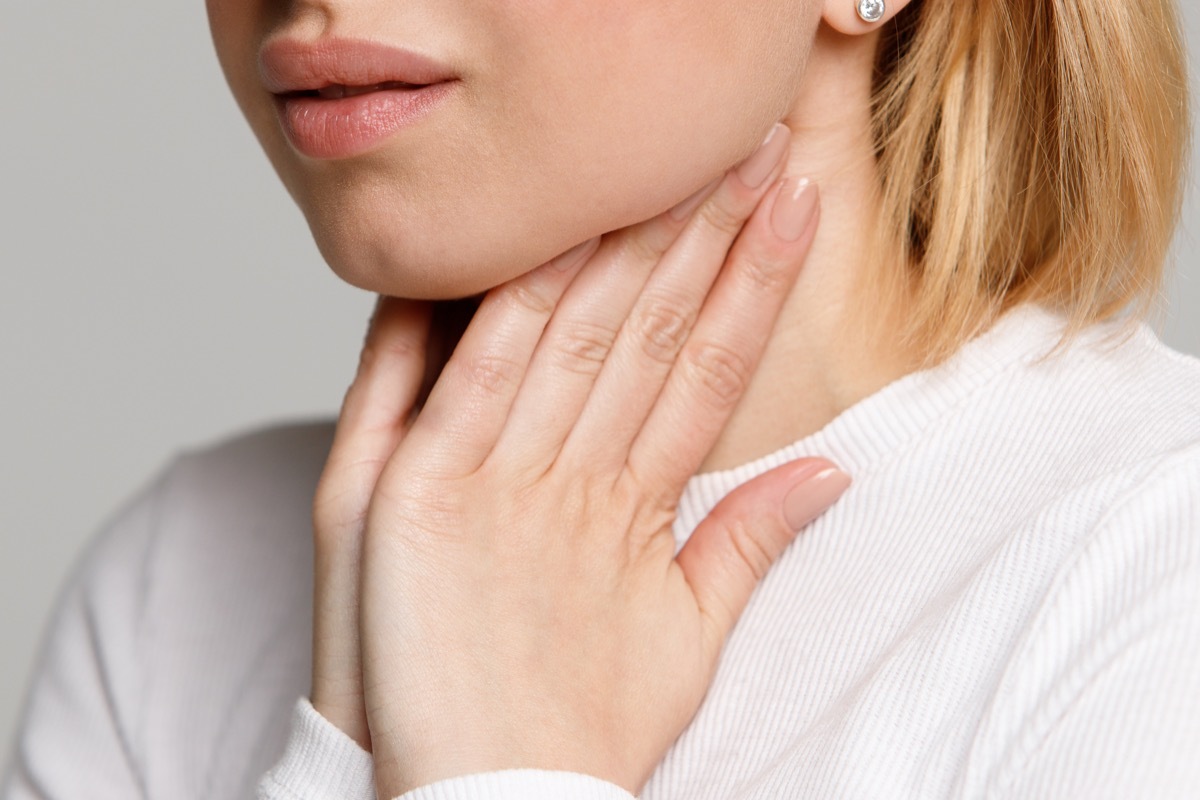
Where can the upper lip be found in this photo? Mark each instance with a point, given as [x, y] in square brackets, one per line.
[291, 65]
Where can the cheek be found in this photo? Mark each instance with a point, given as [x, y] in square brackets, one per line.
[237, 27]
[575, 119]
[230, 24]
[640, 104]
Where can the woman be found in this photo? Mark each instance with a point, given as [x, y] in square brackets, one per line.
[541, 561]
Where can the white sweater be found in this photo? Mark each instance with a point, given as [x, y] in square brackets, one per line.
[1006, 604]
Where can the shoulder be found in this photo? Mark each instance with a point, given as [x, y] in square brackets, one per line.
[224, 535]
[218, 502]
[1101, 693]
[1114, 386]
[221, 502]
[1107, 448]
[282, 460]
[199, 594]
[1135, 404]
[1087, 423]
[182, 638]
[1103, 441]
[259, 481]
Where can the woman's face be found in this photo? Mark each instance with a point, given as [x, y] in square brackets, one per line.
[567, 119]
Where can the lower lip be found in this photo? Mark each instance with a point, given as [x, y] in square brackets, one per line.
[349, 126]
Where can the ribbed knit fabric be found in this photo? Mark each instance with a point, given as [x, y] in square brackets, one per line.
[1005, 604]
[319, 763]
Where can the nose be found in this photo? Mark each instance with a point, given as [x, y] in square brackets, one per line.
[317, 19]
[306, 18]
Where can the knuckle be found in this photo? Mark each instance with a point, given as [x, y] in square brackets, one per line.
[762, 274]
[661, 329]
[584, 348]
[659, 547]
[491, 374]
[718, 214]
[367, 358]
[376, 353]
[752, 549]
[525, 296]
[719, 373]
[419, 505]
[641, 247]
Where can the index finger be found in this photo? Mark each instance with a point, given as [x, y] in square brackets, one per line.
[720, 356]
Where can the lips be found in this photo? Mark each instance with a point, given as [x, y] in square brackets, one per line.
[340, 98]
[352, 66]
[338, 90]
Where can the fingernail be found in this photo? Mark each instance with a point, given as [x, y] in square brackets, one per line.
[755, 169]
[682, 211]
[813, 495]
[794, 207]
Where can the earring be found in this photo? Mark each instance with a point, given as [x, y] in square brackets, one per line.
[870, 10]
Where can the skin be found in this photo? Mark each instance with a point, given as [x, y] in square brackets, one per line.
[512, 154]
[535, 486]
[577, 119]
[535, 504]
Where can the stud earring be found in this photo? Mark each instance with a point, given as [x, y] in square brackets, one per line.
[870, 10]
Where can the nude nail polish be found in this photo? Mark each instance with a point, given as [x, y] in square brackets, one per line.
[794, 207]
[813, 495]
[755, 169]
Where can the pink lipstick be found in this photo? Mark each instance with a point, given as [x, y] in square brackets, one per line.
[338, 98]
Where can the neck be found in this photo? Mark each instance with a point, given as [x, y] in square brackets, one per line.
[828, 351]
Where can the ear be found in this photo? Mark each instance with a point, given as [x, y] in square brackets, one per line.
[842, 15]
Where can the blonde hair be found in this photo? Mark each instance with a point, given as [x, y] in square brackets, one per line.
[1030, 150]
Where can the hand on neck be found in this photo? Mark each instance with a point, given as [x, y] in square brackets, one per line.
[830, 349]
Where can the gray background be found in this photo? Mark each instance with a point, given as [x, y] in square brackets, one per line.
[159, 288]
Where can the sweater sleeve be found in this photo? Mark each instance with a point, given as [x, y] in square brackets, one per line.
[519, 784]
[1119, 714]
[77, 735]
[322, 763]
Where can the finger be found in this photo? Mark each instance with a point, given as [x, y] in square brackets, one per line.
[716, 363]
[607, 394]
[731, 550]
[374, 412]
[369, 428]
[583, 329]
[470, 402]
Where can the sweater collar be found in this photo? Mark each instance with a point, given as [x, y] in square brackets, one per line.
[864, 435]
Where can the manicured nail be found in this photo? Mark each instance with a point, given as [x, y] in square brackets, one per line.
[813, 495]
[794, 207]
[755, 169]
[684, 210]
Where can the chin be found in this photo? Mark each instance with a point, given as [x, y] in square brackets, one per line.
[400, 261]
[466, 227]
[428, 248]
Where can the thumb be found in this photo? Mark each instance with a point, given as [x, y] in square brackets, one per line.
[735, 545]
[369, 429]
